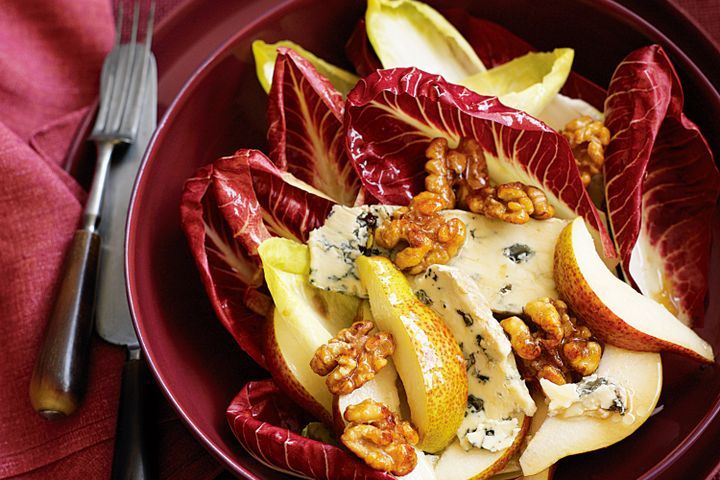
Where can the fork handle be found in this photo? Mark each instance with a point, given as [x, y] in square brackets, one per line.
[59, 377]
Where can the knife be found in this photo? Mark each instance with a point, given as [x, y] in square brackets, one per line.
[112, 318]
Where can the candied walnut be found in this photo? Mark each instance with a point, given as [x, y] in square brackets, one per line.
[511, 202]
[558, 349]
[522, 341]
[583, 356]
[544, 314]
[440, 177]
[552, 373]
[459, 177]
[378, 436]
[463, 169]
[430, 237]
[352, 357]
[588, 139]
[542, 210]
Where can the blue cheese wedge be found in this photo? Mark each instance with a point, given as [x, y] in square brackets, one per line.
[592, 396]
[479, 431]
[335, 246]
[511, 264]
[497, 395]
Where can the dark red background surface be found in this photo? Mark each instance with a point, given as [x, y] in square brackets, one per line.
[36, 131]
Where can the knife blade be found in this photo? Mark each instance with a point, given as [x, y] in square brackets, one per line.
[112, 319]
[112, 316]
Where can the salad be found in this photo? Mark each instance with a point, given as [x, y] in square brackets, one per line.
[459, 261]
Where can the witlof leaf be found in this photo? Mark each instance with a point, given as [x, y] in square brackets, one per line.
[406, 33]
[266, 53]
[305, 134]
[563, 109]
[230, 276]
[392, 115]
[661, 184]
[528, 83]
[267, 422]
[495, 45]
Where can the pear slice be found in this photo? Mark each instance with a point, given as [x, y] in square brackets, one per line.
[427, 357]
[537, 420]
[639, 373]
[383, 389]
[613, 310]
[477, 463]
[288, 359]
[304, 318]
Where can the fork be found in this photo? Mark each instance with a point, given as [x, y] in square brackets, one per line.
[59, 377]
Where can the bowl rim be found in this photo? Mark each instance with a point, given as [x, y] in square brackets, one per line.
[617, 11]
[176, 105]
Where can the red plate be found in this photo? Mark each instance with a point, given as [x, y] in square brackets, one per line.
[222, 108]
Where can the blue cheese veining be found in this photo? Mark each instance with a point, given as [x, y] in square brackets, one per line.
[510, 264]
[592, 396]
[335, 246]
[498, 398]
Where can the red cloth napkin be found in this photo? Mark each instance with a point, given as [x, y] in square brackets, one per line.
[706, 15]
[50, 60]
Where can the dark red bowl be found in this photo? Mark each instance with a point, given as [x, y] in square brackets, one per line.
[222, 108]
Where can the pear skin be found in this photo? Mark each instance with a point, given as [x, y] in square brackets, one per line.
[427, 357]
[614, 311]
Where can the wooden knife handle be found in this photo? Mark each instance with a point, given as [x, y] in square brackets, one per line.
[59, 377]
[130, 461]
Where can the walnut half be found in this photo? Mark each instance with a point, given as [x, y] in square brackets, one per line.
[352, 357]
[462, 169]
[376, 434]
[512, 202]
[588, 139]
[430, 237]
[558, 348]
[459, 178]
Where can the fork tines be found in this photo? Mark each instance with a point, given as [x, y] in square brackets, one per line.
[123, 79]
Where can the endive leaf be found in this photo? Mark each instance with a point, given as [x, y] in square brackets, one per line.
[267, 423]
[563, 109]
[392, 115]
[266, 53]
[661, 184]
[227, 210]
[406, 33]
[305, 128]
[527, 83]
[495, 45]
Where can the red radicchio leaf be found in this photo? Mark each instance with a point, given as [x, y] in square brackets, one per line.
[305, 128]
[662, 183]
[392, 115]
[228, 209]
[229, 275]
[264, 420]
[252, 190]
[496, 45]
[360, 52]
